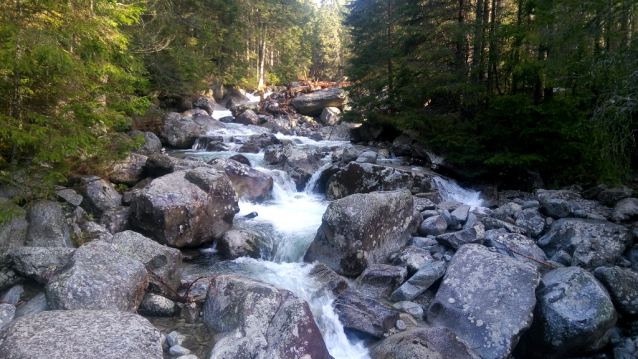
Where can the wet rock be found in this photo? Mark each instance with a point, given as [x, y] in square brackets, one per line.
[159, 165]
[367, 157]
[505, 243]
[622, 284]
[380, 280]
[165, 262]
[258, 142]
[297, 162]
[412, 258]
[157, 306]
[40, 263]
[174, 338]
[205, 104]
[330, 116]
[313, 103]
[241, 159]
[475, 300]
[625, 209]
[186, 208]
[402, 145]
[254, 319]
[364, 314]
[236, 243]
[99, 195]
[457, 239]
[609, 197]
[434, 226]
[362, 229]
[531, 221]
[419, 282]
[248, 117]
[81, 334]
[178, 351]
[365, 177]
[423, 343]
[573, 316]
[7, 313]
[47, 225]
[249, 183]
[591, 243]
[129, 171]
[35, 305]
[181, 132]
[97, 278]
[329, 279]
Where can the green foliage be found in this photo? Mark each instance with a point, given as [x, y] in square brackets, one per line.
[545, 85]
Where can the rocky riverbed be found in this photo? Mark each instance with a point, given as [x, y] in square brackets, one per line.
[375, 250]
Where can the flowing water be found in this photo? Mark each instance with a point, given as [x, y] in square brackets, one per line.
[286, 225]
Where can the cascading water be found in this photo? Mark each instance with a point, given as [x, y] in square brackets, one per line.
[450, 191]
[287, 224]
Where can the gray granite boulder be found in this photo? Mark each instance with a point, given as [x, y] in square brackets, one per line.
[81, 334]
[249, 183]
[99, 195]
[574, 316]
[13, 234]
[366, 177]
[622, 284]
[130, 170]
[247, 117]
[505, 243]
[330, 116]
[364, 314]
[434, 225]
[299, 163]
[164, 261]
[367, 157]
[35, 305]
[47, 225]
[412, 258]
[328, 279]
[40, 263]
[423, 343]
[625, 209]
[151, 144]
[591, 243]
[610, 196]
[186, 208]
[402, 145]
[476, 301]
[313, 103]
[97, 278]
[362, 229]
[256, 320]
[380, 280]
[182, 131]
[236, 243]
[455, 240]
[419, 282]
[116, 219]
[531, 221]
[7, 313]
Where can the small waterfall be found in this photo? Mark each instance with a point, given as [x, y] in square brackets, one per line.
[450, 191]
[312, 182]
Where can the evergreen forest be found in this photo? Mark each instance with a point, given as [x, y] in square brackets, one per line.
[495, 85]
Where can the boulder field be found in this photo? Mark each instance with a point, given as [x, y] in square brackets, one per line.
[542, 274]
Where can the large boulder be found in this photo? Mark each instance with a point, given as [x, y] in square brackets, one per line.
[328, 279]
[236, 243]
[256, 143]
[249, 183]
[514, 244]
[573, 316]
[364, 314]
[424, 343]
[622, 284]
[313, 103]
[591, 243]
[531, 221]
[248, 117]
[362, 229]
[257, 320]
[186, 208]
[434, 226]
[625, 209]
[151, 145]
[475, 300]
[97, 278]
[81, 334]
[13, 234]
[165, 262]
[99, 195]
[330, 116]
[365, 177]
[129, 171]
[47, 225]
[40, 263]
[300, 164]
[419, 282]
[180, 131]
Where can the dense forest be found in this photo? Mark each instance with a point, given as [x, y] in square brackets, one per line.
[494, 85]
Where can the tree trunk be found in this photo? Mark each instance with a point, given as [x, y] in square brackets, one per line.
[262, 59]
